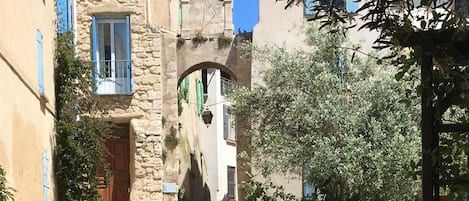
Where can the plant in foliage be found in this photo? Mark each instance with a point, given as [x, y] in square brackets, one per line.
[80, 151]
[6, 193]
[337, 122]
[265, 191]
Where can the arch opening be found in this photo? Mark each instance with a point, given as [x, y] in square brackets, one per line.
[207, 65]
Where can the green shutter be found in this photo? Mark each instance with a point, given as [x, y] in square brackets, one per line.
[186, 88]
[200, 96]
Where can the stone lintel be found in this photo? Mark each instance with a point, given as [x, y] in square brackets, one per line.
[109, 9]
[122, 118]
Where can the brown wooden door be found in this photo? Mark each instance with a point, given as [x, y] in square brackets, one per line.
[117, 187]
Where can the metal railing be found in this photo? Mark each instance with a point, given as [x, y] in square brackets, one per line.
[112, 77]
[227, 86]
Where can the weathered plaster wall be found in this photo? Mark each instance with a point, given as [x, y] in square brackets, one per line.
[26, 123]
[190, 154]
[290, 28]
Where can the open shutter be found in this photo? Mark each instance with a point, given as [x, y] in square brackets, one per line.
[40, 64]
[341, 68]
[351, 6]
[128, 57]
[71, 15]
[186, 88]
[200, 96]
[225, 122]
[45, 174]
[308, 9]
[62, 14]
[94, 32]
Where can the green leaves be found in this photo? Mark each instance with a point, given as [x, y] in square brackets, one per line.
[6, 193]
[353, 140]
[79, 152]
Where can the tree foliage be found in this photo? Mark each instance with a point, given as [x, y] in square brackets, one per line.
[342, 126]
[80, 150]
[435, 27]
[6, 193]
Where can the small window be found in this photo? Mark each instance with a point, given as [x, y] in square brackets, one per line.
[231, 183]
[205, 81]
[229, 127]
[341, 70]
[111, 55]
[45, 174]
[309, 190]
[310, 8]
[227, 85]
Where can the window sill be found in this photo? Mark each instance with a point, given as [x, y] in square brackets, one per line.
[115, 94]
[231, 142]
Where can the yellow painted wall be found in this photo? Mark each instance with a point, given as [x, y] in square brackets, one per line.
[26, 124]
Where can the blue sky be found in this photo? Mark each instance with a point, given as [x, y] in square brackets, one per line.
[245, 14]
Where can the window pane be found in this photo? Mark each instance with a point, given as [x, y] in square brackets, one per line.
[104, 47]
[120, 41]
[120, 49]
[231, 182]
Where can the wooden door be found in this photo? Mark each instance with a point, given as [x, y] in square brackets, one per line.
[117, 186]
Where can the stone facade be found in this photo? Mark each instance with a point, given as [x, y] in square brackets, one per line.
[142, 108]
[157, 65]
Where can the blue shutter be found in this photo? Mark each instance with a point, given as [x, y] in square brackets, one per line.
[309, 6]
[129, 72]
[45, 174]
[70, 15]
[94, 32]
[225, 122]
[341, 68]
[351, 6]
[62, 15]
[40, 64]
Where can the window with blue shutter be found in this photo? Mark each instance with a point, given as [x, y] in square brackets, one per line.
[65, 15]
[111, 55]
[311, 7]
[45, 174]
[341, 70]
[309, 191]
[40, 63]
[308, 9]
[351, 6]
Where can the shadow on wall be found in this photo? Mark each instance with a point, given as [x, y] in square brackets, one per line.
[195, 187]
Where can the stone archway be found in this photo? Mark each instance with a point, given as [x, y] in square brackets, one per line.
[206, 65]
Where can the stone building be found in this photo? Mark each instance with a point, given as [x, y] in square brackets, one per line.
[142, 50]
[27, 97]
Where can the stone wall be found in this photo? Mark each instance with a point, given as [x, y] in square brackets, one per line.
[206, 17]
[142, 108]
